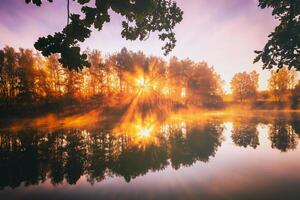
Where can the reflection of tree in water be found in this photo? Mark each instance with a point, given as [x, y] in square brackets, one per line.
[31, 157]
[200, 143]
[56, 156]
[76, 155]
[22, 158]
[282, 136]
[134, 161]
[295, 122]
[244, 133]
[98, 158]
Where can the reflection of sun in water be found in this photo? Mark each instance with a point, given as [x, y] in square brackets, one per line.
[144, 132]
[144, 129]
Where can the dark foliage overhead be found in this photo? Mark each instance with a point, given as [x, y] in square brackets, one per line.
[283, 47]
[141, 18]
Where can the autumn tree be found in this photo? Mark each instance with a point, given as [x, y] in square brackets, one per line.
[140, 19]
[281, 83]
[295, 97]
[26, 73]
[55, 74]
[244, 85]
[42, 83]
[128, 65]
[140, 68]
[204, 86]
[96, 72]
[178, 71]
[157, 70]
[111, 80]
[123, 63]
[74, 81]
[8, 74]
[283, 47]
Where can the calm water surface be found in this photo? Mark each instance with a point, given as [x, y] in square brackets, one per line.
[253, 156]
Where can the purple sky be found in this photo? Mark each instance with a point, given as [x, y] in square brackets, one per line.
[222, 32]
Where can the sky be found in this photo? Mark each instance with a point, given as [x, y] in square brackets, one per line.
[223, 33]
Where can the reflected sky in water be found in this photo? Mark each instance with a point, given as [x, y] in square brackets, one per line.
[180, 157]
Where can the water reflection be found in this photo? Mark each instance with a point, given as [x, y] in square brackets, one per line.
[245, 133]
[31, 157]
[200, 142]
[282, 135]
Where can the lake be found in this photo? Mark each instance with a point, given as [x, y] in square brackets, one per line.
[218, 155]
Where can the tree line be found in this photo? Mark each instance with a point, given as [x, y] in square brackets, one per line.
[68, 154]
[27, 78]
[283, 87]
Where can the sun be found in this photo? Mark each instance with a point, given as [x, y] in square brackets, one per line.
[141, 82]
